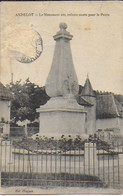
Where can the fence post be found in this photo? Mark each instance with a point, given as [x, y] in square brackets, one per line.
[120, 168]
[0, 159]
[6, 151]
[90, 159]
[25, 130]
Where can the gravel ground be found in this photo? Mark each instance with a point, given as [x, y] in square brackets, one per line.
[58, 190]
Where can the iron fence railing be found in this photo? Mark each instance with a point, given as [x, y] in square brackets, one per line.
[79, 166]
[20, 131]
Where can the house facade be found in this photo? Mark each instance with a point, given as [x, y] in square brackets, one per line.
[104, 112]
[4, 110]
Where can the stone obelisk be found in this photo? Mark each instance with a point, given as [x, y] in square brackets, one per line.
[62, 115]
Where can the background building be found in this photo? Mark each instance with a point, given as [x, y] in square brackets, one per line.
[4, 110]
[104, 111]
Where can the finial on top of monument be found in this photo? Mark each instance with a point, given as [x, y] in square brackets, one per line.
[63, 26]
[63, 33]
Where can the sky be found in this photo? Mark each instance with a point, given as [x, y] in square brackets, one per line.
[97, 44]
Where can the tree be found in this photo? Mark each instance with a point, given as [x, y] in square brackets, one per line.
[25, 99]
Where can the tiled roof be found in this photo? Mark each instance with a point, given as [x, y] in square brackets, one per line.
[82, 101]
[87, 89]
[119, 107]
[4, 93]
[107, 106]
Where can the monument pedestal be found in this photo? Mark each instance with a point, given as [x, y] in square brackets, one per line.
[62, 116]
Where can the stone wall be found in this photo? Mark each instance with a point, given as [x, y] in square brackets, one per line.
[107, 123]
